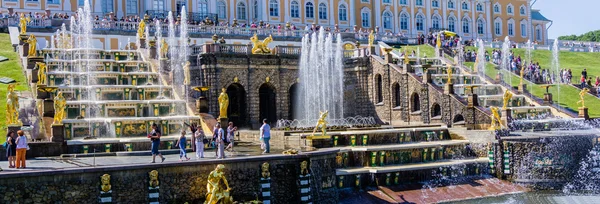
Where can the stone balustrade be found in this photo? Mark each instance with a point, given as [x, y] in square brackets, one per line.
[277, 50]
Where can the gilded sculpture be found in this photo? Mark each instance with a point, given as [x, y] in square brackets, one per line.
[186, 73]
[105, 183]
[496, 122]
[581, 95]
[521, 75]
[164, 48]
[449, 70]
[216, 192]
[41, 72]
[223, 103]
[371, 38]
[153, 178]
[290, 152]
[507, 96]
[32, 41]
[142, 29]
[259, 47]
[12, 106]
[23, 23]
[265, 170]
[304, 168]
[406, 60]
[60, 105]
[321, 124]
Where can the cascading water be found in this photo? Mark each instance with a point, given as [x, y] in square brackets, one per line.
[506, 61]
[529, 59]
[587, 178]
[172, 42]
[460, 52]
[556, 67]
[182, 58]
[158, 35]
[481, 61]
[321, 78]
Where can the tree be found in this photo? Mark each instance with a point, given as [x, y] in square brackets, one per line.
[592, 36]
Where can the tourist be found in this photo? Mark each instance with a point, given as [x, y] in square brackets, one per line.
[155, 138]
[265, 135]
[11, 149]
[230, 136]
[220, 142]
[199, 137]
[182, 143]
[584, 73]
[582, 82]
[21, 149]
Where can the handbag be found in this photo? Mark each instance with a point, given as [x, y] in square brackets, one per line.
[5, 145]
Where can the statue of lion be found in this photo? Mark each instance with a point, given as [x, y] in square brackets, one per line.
[259, 47]
[265, 170]
[153, 178]
[105, 182]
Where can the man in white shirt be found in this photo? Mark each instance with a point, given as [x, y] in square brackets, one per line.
[265, 135]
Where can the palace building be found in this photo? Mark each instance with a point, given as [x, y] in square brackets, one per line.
[485, 19]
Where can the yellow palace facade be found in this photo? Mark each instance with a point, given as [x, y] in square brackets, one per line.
[485, 19]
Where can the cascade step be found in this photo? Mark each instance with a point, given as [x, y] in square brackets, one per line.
[410, 167]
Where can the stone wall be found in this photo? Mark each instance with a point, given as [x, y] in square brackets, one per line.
[179, 182]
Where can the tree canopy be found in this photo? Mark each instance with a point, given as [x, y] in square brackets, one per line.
[592, 36]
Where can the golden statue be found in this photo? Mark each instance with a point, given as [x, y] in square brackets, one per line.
[142, 29]
[41, 72]
[223, 103]
[290, 152]
[449, 70]
[371, 38]
[217, 193]
[164, 48]
[153, 178]
[581, 95]
[259, 47]
[507, 96]
[105, 183]
[23, 23]
[521, 74]
[12, 106]
[321, 123]
[265, 170]
[60, 105]
[186, 73]
[32, 46]
[496, 122]
[438, 41]
[406, 60]
[304, 168]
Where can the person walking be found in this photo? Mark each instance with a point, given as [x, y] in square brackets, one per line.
[182, 144]
[199, 137]
[155, 138]
[21, 149]
[230, 136]
[220, 142]
[265, 135]
[11, 149]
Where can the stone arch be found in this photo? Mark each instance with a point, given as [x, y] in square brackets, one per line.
[267, 95]
[458, 119]
[415, 102]
[378, 88]
[236, 111]
[436, 110]
[293, 96]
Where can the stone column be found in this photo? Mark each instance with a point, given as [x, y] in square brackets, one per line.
[583, 113]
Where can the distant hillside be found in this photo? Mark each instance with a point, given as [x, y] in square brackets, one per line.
[592, 36]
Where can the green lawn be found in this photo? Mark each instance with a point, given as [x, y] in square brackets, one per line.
[12, 69]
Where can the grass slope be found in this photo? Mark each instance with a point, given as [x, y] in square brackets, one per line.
[12, 69]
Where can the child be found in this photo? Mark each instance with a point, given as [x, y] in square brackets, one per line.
[181, 143]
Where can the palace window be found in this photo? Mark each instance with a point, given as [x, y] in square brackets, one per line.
[435, 22]
[222, 10]
[53, 1]
[420, 22]
[387, 20]
[295, 10]
[538, 35]
[241, 11]
[451, 24]
[343, 13]
[273, 8]
[479, 7]
[404, 21]
[107, 6]
[309, 10]
[465, 25]
[419, 2]
[386, 1]
[322, 11]
[496, 8]
[498, 27]
[158, 5]
[131, 6]
[509, 9]
[80, 2]
[465, 6]
[365, 19]
[403, 2]
[523, 29]
[511, 29]
[435, 4]
[451, 4]
[522, 10]
[255, 9]
[480, 27]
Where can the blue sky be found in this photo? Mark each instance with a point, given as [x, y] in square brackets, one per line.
[569, 17]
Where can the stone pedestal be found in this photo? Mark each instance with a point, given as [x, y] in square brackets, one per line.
[472, 100]
[34, 76]
[223, 122]
[427, 76]
[32, 60]
[164, 64]
[14, 128]
[58, 133]
[22, 39]
[143, 43]
[407, 68]
[24, 50]
[372, 50]
[449, 88]
[548, 99]
[48, 108]
[506, 117]
[521, 88]
[583, 113]
[202, 104]
[153, 49]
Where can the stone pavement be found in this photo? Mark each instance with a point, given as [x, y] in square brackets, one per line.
[54, 163]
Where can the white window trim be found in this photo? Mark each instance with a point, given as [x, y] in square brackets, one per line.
[326, 11]
[512, 8]
[314, 16]
[422, 3]
[482, 8]
[499, 8]
[407, 20]
[498, 20]
[338, 14]
[455, 21]
[406, 4]
[453, 4]
[461, 6]
[387, 3]
[477, 26]
[299, 13]
[524, 9]
[438, 4]
[521, 28]
[508, 27]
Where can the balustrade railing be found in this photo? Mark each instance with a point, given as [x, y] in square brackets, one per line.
[278, 50]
